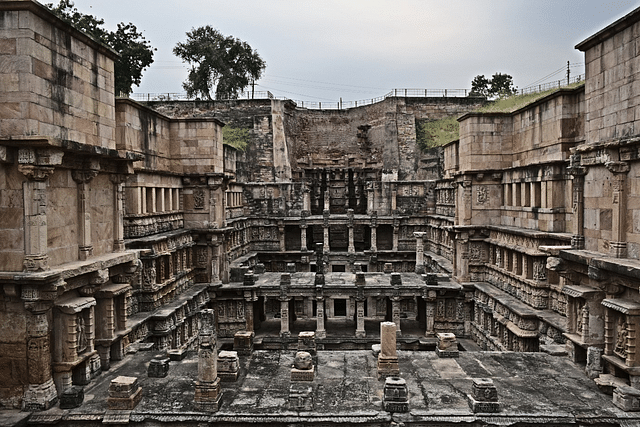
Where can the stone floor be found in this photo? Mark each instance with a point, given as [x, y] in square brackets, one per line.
[533, 388]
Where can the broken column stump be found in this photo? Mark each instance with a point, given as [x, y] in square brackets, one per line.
[228, 366]
[484, 397]
[388, 357]
[627, 398]
[72, 398]
[396, 396]
[243, 342]
[447, 345]
[303, 369]
[124, 393]
[208, 394]
[158, 367]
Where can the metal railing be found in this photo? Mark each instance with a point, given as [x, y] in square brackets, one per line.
[550, 85]
[169, 96]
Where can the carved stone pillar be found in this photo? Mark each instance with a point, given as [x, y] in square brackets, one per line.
[303, 237]
[396, 232]
[248, 313]
[118, 212]
[419, 251]
[35, 216]
[619, 204]
[430, 313]
[83, 178]
[320, 331]
[578, 172]
[285, 282]
[41, 393]
[306, 199]
[351, 249]
[208, 392]
[327, 201]
[325, 225]
[370, 199]
[360, 331]
[395, 314]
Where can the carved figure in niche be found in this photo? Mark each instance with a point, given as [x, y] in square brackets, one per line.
[303, 360]
[198, 199]
[482, 194]
[579, 320]
[621, 347]
[81, 337]
[440, 312]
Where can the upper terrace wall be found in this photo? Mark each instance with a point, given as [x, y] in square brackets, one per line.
[56, 81]
[189, 146]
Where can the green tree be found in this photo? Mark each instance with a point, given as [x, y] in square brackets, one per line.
[498, 86]
[219, 62]
[136, 53]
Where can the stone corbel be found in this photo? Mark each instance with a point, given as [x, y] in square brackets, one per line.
[617, 167]
[35, 173]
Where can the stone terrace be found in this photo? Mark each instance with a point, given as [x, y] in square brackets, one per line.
[531, 386]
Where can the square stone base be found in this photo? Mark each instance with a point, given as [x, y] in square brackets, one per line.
[388, 367]
[447, 353]
[208, 396]
[177, 354]
[72, 398]
[125, 403]
[627, 398]
[301, 397]
[228, 377]
[391, 406]
[484, 407]
[303, 375]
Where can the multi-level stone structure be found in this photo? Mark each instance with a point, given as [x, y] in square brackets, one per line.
[121, 222]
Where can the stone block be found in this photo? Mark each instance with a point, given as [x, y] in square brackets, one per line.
[484, 397]
[627, 398]
[177, 354]
[307, 342]
[123, 387]
[243, 342]
[228, 366]
[125, 403]
[72, 398]
[158, 367]
[303, 374]
[593, 369]
[387, 366]
[396, 396]
[447, 345]
[208, 396]
[300, 397]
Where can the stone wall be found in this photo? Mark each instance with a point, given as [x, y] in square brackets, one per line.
[57, 82]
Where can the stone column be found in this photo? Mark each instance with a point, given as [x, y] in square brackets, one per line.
[248, 314]
[327, 201]
[374, 239]
[325, 225]
[118, 212]
[285, 282]
[578, 172]
[83, 178]
[388, 357]
[208, 393]
[41, 393]
[306, 199]
[619, 205]
[360, 331]
[283, 247]
[352, 247]
[396, 229]
[395, 314]
[370, 199]
[419, 235]
[303, 237]
[320, 331]
[35, 216]
[430, 313]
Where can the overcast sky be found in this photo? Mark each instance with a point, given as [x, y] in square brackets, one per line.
[324, 50]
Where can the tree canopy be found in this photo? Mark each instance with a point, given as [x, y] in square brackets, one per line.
[498, 86]
[221, 63]
[136, 53]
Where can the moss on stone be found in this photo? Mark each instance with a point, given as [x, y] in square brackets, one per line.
[237, 138]
[434, 133]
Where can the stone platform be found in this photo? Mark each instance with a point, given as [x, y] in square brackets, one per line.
[538, 386]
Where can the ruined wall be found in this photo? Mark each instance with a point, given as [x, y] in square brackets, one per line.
[56, 81]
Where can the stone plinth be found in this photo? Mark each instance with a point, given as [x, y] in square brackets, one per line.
[388, 357]
[300, 397]
[177, 354]
[124, 393]
[484, 397]
[302, 369]
[627, 398]
[228, 366]
[396, 397]
[447, 345]
[208, 396]
[307, 342]
[243, 342]
[158, 367]
[72, 398]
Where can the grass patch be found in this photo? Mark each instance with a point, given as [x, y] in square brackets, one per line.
[237, 138]
[513, 103]
[433, 133]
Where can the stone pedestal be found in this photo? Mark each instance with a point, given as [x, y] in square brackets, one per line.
[627, 398]
[208, 396]
[72, 398]
[388, 357]
[303, 368]
[447, 345]
[396, 397]
[40, 397]
[124, 393]
[243, 342]
[484, 397]
[158, 367]
[300, 397]
[594, 362]
[228, 366]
